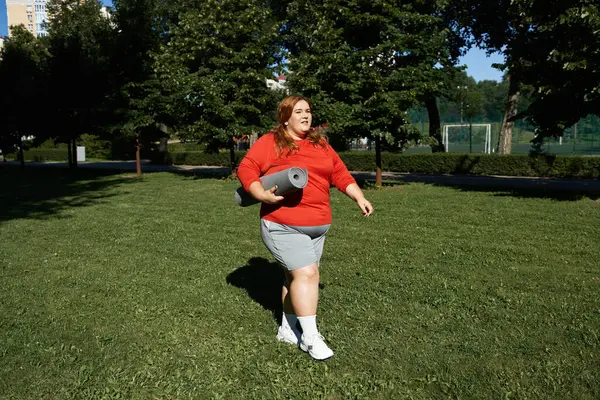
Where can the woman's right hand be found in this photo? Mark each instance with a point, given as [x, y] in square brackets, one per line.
[263, 195]
[268, 196]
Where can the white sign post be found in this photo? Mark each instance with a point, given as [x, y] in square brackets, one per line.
[80, 153]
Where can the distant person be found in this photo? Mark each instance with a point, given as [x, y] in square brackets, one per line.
[294, 227]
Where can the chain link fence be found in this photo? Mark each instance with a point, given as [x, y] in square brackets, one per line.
[581, 139]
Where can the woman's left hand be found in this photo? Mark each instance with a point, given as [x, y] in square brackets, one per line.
[365, 206]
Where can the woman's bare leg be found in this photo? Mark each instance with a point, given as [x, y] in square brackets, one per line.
[304, 290]
[285, 299]
[304, 293]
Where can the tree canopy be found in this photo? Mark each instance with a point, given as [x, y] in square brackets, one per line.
[78, 68]
[198, 70]
[214, 70]
[552, 47]
[364, 63]
[23, 84]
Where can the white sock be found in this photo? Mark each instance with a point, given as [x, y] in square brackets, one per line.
[289, 321]
[309, 325]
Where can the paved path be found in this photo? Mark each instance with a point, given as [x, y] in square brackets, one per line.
[127, 166]
[491, 182]
[591, 186]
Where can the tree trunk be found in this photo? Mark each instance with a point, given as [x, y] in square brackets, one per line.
[138, 158]
[471, 137]
[378, 180]
[163, 144]
[21, 152]
[435, 125]
[505, 139]
[232, 158]
[70, 155]
[74, 151]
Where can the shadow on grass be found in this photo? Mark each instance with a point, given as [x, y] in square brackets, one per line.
[200, 173]
[536, 191]
[553, 194]
[542, 188]
[42, 190]
[40, 193]
[367, 184]
[262, 280]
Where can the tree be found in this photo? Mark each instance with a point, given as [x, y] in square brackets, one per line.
[552, 46]
[364, 64]
[80, 40]
[136, 98]
[23, 85]
[561, 61]
[448, 59]
[494, 95]
[496, 26]
[214, 70]
[467, 95]
[472, 106]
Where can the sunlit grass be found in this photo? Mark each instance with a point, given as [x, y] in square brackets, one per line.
[117, 287]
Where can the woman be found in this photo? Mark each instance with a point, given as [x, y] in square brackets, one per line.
[294, 227]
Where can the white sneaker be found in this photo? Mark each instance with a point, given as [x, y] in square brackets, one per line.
[288, 335]
[316, 347]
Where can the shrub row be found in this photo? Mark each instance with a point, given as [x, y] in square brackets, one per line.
[478, 164]
[42, 155]
[50, 151]
[184, 147]
[220, 159]
[437, 163]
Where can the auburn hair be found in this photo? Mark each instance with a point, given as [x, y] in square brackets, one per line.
[283, 141]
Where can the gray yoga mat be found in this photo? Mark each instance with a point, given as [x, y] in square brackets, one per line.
[287, 181]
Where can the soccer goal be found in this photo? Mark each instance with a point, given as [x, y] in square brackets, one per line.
[465, 138]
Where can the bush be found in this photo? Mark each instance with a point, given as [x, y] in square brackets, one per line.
[50, 144]
[220, 159]
[436, 163]
[477, 164]
[185, 147]
[95, 148]
[41, 155]
[51, 151]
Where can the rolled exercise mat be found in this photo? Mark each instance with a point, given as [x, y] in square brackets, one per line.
[287, 181]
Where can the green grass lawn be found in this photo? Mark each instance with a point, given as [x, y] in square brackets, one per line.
[160, 288]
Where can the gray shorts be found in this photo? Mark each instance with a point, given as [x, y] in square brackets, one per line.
[294, 246]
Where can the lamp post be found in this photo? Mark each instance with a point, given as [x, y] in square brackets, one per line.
[461, 89]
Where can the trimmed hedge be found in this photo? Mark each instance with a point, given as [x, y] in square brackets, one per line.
[42, 155]
[436, 163]
[220, 159]
[94, 147]
[478, 164]
[185, 147]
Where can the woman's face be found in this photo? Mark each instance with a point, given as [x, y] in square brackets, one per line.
[299, 122]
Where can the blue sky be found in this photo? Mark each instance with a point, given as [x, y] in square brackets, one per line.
[479, 65]
[3, 20]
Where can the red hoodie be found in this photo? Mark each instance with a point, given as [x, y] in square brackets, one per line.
[309, 206]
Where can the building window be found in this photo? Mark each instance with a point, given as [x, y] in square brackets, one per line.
[30, 18]
[29, 9]
[30, 27]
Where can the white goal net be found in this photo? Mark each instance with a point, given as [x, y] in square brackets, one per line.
[465, 138]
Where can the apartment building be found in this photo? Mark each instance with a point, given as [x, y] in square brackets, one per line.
[30, 13]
